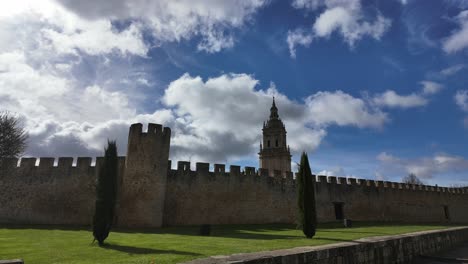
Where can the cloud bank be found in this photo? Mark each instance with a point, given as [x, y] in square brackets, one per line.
[424, 167]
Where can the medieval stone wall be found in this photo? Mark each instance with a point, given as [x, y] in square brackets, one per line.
[235, 197]
[369, 200]
[37, 192]
[218, 197]
[152, 194]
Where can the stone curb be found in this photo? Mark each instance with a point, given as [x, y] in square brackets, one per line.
[380, 249]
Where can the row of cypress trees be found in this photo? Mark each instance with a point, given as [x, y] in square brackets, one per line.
[106, 193]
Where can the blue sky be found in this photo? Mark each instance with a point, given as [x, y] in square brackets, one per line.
[371, 89]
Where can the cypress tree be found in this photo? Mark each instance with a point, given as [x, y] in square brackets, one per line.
[306, 198]
[106, 190]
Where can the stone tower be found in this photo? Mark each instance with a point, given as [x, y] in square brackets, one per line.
[143, 185]
[274, 152]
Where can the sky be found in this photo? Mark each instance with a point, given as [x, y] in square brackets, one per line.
[370, 89]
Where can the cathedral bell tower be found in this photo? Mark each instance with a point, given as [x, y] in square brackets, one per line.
[274, 152]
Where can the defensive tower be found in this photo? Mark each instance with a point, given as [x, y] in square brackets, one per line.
[143, 187]
[274, 152]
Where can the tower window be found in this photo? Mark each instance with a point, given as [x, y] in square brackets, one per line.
[268, 143]
[276, 143]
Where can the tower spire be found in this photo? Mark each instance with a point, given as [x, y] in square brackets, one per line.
[274, 110]
[274, 152]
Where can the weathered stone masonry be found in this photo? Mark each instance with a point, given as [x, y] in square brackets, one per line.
[152, 194]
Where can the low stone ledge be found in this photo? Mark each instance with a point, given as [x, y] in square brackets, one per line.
[383, 249]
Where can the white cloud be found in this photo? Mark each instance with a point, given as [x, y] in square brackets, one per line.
[222, 117]
[458, 40]
[424, 167]
[452, 69]
[339, 108]
[51, 28]
[348, 24]
[461, 99]
[88, 26]
[216, 120]
[431, 87]
[96, 38]
[307, 4]
[345, 17]
[385, 157]
[336, 171]
[298, 37]
[392, 99]
[169, 20]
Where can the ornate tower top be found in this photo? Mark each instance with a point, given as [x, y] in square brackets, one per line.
[274, 110]
[274, 152]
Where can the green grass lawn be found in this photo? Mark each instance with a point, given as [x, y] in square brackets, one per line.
[40, 244]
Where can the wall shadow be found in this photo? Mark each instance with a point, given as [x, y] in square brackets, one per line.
[142, 250]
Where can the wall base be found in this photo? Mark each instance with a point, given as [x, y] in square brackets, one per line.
[388, 249]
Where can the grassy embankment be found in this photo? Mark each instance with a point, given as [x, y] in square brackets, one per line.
[36, 244]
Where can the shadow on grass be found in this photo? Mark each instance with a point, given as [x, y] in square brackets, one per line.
[142, 250]
[347, 231]
[250, 231]
[46, 227]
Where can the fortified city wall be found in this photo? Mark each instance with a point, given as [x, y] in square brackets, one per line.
[152, 194]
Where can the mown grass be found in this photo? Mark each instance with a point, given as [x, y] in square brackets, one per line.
[50, 244]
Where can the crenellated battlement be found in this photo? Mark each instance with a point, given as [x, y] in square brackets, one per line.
[366, 183]
[202, 168]
[184, 167]
[154, 130]
[53, 163]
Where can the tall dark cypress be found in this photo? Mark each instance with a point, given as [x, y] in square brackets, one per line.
[106, 191]
[306, 198]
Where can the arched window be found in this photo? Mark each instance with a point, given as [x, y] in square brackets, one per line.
[276, 143]
[268, 143]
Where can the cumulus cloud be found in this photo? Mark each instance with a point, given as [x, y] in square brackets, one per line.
[298, 37]
[452, 70]
[392, 99]
[424, 167]
[347, 23]
[458, 40]
[223, 116]
[210, 21]
[339, 108]
[217, 120]
[347, 18]
[461, 99]
[336, 171]
[430, 87]
[51, 28]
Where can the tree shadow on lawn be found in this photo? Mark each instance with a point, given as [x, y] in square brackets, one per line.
[47, 227]
[256, 232]
[142, 250]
